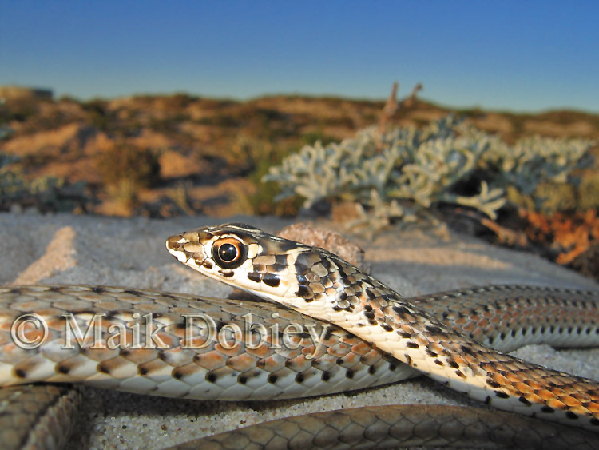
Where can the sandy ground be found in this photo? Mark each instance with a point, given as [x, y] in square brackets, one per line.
[65, 249]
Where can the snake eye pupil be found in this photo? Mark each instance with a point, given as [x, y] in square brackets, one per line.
[227, 252]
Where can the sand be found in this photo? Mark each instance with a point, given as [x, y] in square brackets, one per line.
[66, 249]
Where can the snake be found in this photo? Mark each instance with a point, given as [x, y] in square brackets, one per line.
[351, 333]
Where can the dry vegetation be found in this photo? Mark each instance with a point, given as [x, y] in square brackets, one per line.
[206, 155]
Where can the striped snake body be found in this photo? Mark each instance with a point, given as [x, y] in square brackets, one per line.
[323, 286]
[368, 335]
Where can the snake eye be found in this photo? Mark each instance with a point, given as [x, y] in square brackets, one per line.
[229, 253]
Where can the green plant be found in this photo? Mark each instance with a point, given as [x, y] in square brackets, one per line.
[262, 202]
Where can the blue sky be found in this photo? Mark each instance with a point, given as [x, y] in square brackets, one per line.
[517, 55]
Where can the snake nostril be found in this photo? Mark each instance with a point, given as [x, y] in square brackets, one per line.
[175, 242]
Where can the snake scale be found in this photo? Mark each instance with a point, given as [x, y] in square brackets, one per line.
[321, 357]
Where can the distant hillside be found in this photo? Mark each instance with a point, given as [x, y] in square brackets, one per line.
[210, 146]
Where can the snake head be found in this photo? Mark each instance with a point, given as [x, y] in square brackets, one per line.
[240, 255]
[271, 267]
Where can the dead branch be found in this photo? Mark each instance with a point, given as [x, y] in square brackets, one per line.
[393, 106]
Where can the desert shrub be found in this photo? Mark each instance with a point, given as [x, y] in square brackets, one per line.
[18, 110]
[256, 157]
[98, 113]
[402, 174]
[312, 137]
[262, 201]
[125, 163]
[42, 193]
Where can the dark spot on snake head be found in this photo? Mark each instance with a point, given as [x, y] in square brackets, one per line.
[594, 422]
[299, 378]
[19, 373]
[301, 279]
[281, 259]
[255, 277]
[271, 279]
[501, 394]
[142, 370]
[207, 264]
[570, 415]
[326, 376]
[272, 379]
[242, 379]
[305, 292]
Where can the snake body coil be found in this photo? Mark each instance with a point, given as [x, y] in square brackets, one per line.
[370, 336]
[321, 285]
